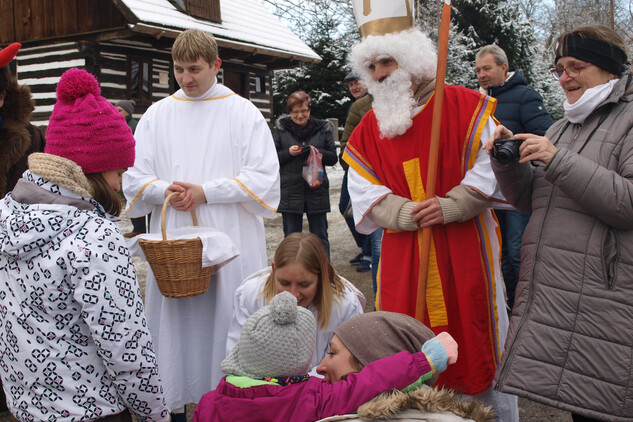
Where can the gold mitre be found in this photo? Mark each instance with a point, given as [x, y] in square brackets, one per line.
[380, 17]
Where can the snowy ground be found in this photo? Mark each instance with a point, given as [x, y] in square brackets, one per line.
[343, 248]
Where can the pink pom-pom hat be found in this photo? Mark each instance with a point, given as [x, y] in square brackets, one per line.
[86, 128]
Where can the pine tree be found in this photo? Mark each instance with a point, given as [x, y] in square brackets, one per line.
[328, 28]
[475, 23]
[497, 22]
[323, 81]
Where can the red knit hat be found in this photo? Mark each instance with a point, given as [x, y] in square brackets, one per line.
[8, 53]
[86, 128]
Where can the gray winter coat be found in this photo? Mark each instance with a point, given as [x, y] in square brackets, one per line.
[570, 341]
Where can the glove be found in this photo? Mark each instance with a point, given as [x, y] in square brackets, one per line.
[441, 351]
[450, 345]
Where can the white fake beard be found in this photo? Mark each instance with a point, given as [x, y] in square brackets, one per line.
[393, 102]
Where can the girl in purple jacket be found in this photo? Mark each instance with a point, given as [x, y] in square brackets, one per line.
[268, 370]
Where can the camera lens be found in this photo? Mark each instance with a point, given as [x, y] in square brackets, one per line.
[507, 152]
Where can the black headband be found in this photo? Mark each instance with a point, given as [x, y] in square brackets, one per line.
[601, 53]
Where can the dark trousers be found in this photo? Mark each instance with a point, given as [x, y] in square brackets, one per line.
[578, 418]
[376, 243]
[293, 223]
[362, 240]
[138, 224]
[3, 399]
[512, 225]
[124, 416]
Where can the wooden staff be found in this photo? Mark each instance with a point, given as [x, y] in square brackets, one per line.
[427, 232]
[366, 7]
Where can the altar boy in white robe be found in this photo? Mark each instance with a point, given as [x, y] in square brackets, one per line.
[216, 149]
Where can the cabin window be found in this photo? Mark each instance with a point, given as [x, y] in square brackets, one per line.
[204, 9]
[260, 84]
[139, 80]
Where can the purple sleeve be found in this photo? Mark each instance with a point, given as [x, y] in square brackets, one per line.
[393, 372]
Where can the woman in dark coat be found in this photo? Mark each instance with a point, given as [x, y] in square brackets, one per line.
[293, 136]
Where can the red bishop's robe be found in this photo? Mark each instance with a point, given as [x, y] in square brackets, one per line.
[464, 279]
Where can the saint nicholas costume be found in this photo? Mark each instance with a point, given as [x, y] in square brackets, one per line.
[464, 288]
[464, 291]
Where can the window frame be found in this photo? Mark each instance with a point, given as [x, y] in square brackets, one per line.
[141, 97]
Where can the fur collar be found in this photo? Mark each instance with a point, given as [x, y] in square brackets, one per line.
[426, 399]
[15, 139]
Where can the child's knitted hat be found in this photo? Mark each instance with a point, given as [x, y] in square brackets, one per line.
[86, 128]
[277, 340]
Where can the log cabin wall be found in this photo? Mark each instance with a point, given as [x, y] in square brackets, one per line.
[114, 69]
[41, 67]
[251, 82]
[96, 34]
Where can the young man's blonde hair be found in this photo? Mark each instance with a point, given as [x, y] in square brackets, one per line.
[193, 44]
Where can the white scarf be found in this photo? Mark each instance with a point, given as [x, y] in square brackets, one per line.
[590, 99]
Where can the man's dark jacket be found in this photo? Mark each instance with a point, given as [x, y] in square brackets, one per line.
[520, 108]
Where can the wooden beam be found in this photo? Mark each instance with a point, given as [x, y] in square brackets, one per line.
[260, 59]
[105, 35]
[120, 33]
[163, 44]
[284, 64]
[230, 54]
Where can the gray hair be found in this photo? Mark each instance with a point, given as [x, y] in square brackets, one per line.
[496, 51]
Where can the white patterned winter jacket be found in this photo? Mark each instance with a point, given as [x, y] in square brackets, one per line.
[74, 343]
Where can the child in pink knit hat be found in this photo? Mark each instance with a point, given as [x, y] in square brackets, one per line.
[75, 343]
[86, 129]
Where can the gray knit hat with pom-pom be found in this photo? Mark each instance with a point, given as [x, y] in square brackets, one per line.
[277, 341]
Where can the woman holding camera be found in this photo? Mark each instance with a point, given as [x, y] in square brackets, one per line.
[293, 137]
[570, 340]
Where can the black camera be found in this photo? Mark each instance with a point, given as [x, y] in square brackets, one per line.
[506, 150]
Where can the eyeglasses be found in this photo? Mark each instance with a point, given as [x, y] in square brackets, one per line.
[572, 71]
[302, 111]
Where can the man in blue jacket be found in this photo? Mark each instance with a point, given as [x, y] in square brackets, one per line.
[520, 109]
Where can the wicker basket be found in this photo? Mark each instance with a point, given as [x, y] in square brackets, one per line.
[177, 264]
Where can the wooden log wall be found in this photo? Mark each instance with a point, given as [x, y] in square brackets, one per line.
[41, 67]
[44, 19]
[257, 76]
[112, 73]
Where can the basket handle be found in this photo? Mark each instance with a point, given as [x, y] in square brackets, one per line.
[164, 211]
